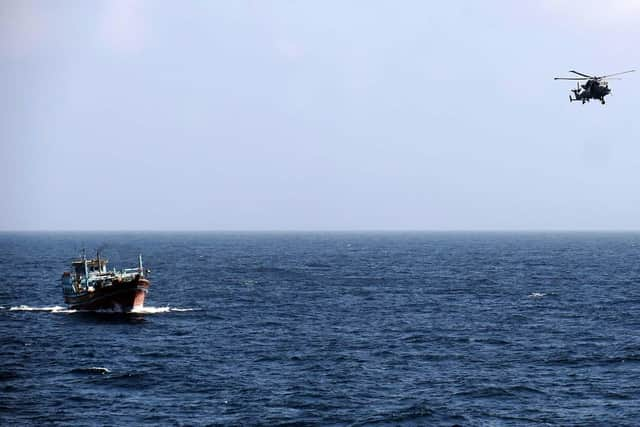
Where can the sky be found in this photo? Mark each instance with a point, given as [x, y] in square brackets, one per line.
[316, 115]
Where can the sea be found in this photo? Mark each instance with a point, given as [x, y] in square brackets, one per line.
[328, 329]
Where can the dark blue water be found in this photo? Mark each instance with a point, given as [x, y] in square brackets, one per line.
[329, 329]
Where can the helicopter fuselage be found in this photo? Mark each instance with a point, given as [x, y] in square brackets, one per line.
[592, 89]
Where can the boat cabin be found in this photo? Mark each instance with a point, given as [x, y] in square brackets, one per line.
[95, 266]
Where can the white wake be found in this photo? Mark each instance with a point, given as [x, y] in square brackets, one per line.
[156, 310]
[51, 309]
[65, 310]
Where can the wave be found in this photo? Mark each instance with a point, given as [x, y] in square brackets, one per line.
[92, 370]
[537, 295]
[417, 413]
[317, 265]
[496, 391]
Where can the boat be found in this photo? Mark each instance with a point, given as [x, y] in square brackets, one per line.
[90, 286]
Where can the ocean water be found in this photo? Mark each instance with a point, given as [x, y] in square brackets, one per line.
[344, 329]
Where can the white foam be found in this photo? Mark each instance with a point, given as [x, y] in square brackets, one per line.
[151, 310]
[537, 295]
[157, 310]
[51, 309]
[65, 310]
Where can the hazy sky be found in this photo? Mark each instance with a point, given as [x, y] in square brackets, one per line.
[243, 115]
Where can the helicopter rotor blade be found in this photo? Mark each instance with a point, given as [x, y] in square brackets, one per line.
[581, 74]
[570, 78]
[616, 74]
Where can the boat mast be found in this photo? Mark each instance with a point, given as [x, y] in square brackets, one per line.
[86, 269]
[140, 270]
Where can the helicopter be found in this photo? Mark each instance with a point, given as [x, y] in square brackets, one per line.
[595, 87]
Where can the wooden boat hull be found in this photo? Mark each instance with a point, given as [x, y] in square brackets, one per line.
[119, 296]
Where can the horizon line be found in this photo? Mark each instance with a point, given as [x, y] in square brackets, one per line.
[364, 230]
